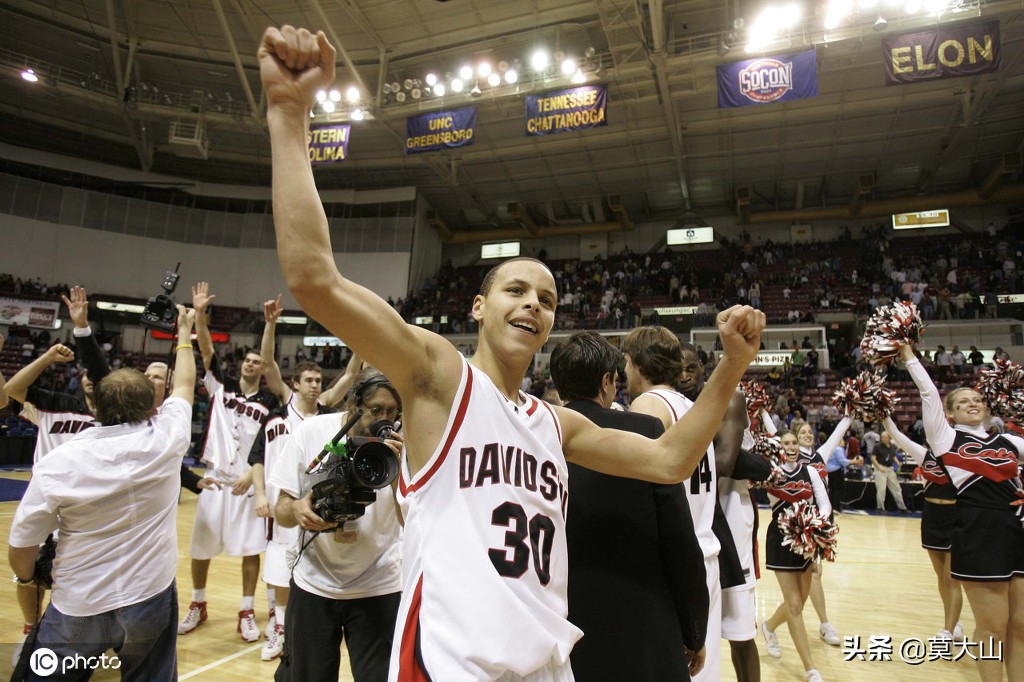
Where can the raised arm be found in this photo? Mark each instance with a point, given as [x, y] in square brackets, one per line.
[86, 347]
[937, 431]
[271, 371]
[184, 357]
[915, 450]
[672, 457]
[201, 299]
[17, 386]
[343, 382]
[826, 448]
[294, 65]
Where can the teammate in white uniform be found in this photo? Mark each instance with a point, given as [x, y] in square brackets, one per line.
[226, 518]
[516, 529]
[653, 366]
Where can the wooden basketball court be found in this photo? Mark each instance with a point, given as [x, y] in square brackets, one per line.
[881, 585]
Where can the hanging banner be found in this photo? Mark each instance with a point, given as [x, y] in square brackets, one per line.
[949, 52]
[768, 79]
[440, 129]
[328, 144]
[565, 110]
[41, 314]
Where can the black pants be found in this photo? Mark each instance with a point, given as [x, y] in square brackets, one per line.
[315, 626]
[836, 488]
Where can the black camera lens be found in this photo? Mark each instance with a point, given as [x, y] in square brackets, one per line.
[374, 465]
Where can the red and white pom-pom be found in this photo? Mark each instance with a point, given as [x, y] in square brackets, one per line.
[888, 330]
[865, 396]
[1002, 387]
[770, 450]
[757, 400]
[808, 533]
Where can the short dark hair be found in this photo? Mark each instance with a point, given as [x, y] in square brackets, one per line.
[656, 353]
[306, 366]
[488, 281]
[579, 363]
[125, 396]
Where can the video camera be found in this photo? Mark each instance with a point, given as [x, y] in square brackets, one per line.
[160, 312]
[347, 482]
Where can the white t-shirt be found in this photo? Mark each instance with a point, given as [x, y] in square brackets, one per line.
[366, 565]
[112, 491]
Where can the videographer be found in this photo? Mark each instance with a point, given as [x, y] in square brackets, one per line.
[113, 576]
[346, 580]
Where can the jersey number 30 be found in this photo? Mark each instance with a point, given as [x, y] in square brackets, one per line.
[541, 532]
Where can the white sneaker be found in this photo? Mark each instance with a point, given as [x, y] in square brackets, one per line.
[958, 633]
[275, 645]
[771, 642]
[944, 634]
[813, 675]
[247, 626]
[195, 617]
[268, 631]
[829, 634]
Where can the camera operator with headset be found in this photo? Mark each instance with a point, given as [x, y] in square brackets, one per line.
[346, 566]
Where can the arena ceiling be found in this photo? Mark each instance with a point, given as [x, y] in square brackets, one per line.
[116, 74]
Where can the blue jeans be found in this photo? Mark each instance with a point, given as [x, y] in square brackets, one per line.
[144, 636]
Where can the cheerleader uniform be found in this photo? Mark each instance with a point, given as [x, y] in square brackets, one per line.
[939, 515]
[988, 538]
[799, 483]
[816, 459]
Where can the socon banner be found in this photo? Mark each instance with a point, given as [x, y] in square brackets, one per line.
[768, 79]
[328, 144]
[440, 129]
[949, 52]
[565, 110]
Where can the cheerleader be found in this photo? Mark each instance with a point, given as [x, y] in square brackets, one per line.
[988, 540]
[937, 522]
[799, 483]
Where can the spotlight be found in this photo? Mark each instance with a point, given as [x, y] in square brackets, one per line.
[29, 75]
[386, 88]
[483, 69]
[465, 73]
[569, 66]
[540, 61]
[439, 90]
[880, 23]
[475, 92]
[431, 80]
[589, 52]
[334, 95]
[457, 85]
[322, 96]
[357, 115]
[494, 80]
[407, 84]
[511, 76]
[503, 66]
[352, 94]
[400, 97]
[579, 77]
[328, 106]
[416, 93]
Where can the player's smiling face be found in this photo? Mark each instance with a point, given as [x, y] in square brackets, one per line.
[519, 309]
[252, 366]
[968, 408]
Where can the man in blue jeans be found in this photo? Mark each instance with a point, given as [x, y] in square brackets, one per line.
[112, 493]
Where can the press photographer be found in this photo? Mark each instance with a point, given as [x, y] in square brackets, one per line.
[113, 576]
[346, 580]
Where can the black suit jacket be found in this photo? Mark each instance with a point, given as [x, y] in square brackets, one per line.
[637, 584]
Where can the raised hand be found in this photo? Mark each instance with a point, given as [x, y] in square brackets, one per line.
[59, 353]
[740, 329]
[272, 310]
[78, 306]
[294, 65]
[201, 297]
[186, 319]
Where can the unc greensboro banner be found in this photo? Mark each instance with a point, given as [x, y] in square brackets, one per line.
[565, 110]
[328, 144]
[950, 52]
[430, 132]
[41, 314]
[768, 79]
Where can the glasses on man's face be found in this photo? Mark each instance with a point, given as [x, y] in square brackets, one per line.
[382, 412]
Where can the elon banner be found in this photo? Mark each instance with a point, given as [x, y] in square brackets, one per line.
[768, 79]
[328, 144]
[951, 52]
[437, 130]
[564, 110]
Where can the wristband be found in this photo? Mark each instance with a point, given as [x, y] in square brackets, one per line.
[182, 345]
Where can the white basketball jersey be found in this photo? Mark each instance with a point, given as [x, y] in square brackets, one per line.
[276, 431]
[235, 419]
[700, 487]
[485, 563]
[734, 496]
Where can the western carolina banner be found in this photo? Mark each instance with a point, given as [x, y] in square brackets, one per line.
[564, 110]
[950, 52]
[430, 132]
[328, 144]
[768, 79]
[41, 314]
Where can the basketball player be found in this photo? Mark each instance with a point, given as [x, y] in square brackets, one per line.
[653, 365]
[226, 518]
[736, 468]
[483, 482]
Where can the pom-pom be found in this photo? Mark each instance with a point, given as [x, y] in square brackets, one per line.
[888, 330]
[771, 451]
[808, 533]
[865, 396]
[1002, 387]
[757, 400]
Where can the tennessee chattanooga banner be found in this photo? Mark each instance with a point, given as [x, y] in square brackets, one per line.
[328, 144]
[768, 79]
[950, 52]
[565, 110]
[41, 314]
[440, 129]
